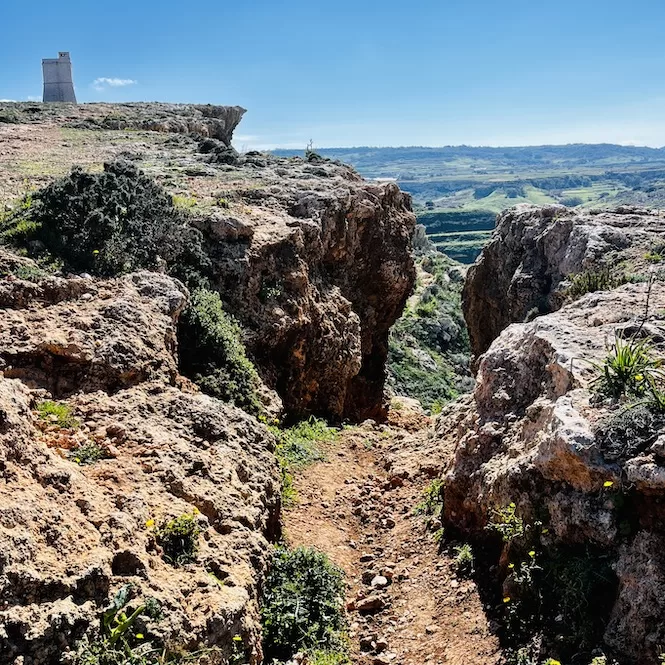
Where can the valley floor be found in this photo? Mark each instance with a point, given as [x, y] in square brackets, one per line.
[357, 506]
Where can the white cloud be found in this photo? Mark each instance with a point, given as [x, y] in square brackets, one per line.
[7, 100]
[104, 82]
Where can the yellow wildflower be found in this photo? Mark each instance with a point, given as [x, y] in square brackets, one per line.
[506, 599]
[608, 483]
[150, 523]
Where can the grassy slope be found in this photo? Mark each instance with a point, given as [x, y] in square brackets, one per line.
[429, 347]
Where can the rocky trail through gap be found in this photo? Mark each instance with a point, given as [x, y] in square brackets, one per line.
[406, 605]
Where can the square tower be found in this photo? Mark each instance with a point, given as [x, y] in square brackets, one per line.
[58, 81]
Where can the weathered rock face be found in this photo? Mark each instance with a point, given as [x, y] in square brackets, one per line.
[72, 534]
[314, 261]
[534, 249]
[202, 120]
[318, 282]
[529, 437]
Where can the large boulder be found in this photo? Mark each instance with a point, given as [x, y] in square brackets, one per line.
[534, 249]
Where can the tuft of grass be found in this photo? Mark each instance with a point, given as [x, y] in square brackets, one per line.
[590, 281]
[464, 563]
[297, 447]
[431, 504]
[184, 202]
[57, 413]
[179, 539]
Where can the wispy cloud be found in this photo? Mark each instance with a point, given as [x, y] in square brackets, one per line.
[103, 83]
[7, 100]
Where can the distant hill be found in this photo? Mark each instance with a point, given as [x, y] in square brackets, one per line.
[457, 189]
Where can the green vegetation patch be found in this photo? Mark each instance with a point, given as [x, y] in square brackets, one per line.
[629, 368]
[57, 413]
[179, 539]
[590, 281]
[303, 607]
[106, 224]
[297, 447]
[212, 351]
[428, 348]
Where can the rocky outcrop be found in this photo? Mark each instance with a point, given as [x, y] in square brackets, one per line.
[530, 437]
[73, 533]
[318, 279]
[201, 120]
[532, 252]
[314, 261]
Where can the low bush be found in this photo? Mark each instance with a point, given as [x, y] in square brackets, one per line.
[303, 607]
[431, 504]
[629, 432]
[212, 352]
[106, 224]
[464, 564]
[88, 453]
[117, 642]
[589, 281]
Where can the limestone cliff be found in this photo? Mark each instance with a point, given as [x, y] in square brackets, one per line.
[582, 476]
[314, 261]
[532, 252]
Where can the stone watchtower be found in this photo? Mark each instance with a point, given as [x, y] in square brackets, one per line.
[58, 82]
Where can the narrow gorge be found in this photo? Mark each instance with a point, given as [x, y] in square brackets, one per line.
[210, 367]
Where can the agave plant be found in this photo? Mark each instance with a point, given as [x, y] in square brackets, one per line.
[629, 368]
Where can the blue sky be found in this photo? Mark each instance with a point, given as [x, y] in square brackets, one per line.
[344, 73]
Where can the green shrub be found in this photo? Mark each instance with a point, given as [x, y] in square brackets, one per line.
[106, 224]
[57, 413]
[88, 453]
[589, 281]
[628, 368]
[179, 539]
[507, 523]
[629, 432]
[303, 605]
[464, 565]
[431, 504]
[212, 352]
[117, 642]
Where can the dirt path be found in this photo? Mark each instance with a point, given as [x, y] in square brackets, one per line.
[357, 507]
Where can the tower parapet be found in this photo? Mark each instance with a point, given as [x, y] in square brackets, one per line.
[58, 81]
